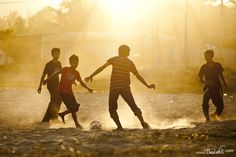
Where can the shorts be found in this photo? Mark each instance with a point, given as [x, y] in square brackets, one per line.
[127, 96]
[70, 101]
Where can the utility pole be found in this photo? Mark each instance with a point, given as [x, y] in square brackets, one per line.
[186, 34]
[221, 31]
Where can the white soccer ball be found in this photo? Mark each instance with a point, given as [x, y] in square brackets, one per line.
[95, 125]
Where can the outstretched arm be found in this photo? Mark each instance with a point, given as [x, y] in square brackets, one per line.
[84, 85]
[90, 78]
[41, 82]
[141, 79]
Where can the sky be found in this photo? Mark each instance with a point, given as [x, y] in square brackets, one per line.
[28, 7]
[25, 7]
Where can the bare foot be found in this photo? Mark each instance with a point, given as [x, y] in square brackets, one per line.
[145, 125]
[62, 117]
[118, 129]
[78, 126]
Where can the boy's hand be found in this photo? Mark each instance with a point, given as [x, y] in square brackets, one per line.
[88, 79]
[152, 86]
[39, 89]
[90, 90]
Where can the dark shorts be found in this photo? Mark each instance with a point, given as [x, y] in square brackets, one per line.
[217, 99]
[127, 96]
[70, 101]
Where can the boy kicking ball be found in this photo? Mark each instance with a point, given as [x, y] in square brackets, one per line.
[69, 75]
[122, 66]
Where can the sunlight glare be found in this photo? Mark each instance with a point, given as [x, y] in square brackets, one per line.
[125, 6]
[52, 3]
[127, 14]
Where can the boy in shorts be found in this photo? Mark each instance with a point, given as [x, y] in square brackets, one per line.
[69, 75]
[210, 74]
[120, 84]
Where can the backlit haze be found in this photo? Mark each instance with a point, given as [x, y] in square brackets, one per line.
[26, 7]
[165, 37]
[167, 40]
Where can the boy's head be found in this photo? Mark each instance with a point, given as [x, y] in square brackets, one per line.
[55, 53]
[74, 61]
[124, 51]
[209, 54]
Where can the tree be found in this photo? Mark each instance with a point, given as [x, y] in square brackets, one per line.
[44, 21]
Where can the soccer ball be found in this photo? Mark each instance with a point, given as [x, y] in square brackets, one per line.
[95, 125]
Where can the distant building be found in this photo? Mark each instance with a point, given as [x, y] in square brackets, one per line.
[157, 49]
[103, 45]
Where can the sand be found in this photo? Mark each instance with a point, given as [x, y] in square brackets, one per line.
[178, 127]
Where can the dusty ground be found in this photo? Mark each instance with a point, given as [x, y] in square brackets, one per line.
[177, 121]
[213, 137]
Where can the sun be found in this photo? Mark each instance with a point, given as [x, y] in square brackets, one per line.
[52, 3]
[123, 6]
[126, 13]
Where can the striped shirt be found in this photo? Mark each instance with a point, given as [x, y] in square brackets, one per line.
[121, 68]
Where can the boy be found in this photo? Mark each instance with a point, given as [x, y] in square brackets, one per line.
[212, 72]
[120, 84]
[69, 75]
[55, 101]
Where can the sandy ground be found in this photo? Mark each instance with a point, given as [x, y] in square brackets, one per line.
[178, 127]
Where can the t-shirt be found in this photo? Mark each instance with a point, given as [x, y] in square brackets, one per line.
[69, 75]
[121, 68]
[50, 68]
[212, 73]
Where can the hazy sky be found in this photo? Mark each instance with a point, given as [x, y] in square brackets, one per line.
[25, 7]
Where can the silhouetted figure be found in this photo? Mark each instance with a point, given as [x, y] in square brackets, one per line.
[69, 75]
[55, 101]
[212, 73]
[120, 84]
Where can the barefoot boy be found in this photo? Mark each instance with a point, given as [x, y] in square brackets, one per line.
[69, 75]
[55, 101]
[120, 84]
[212, 72]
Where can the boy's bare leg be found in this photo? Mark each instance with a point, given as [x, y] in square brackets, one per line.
[47, 115]
[62, 115]
[128, 97]
[74, 116]
[143, 123]
[115, 118]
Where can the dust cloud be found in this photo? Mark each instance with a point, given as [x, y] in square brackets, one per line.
[23, 108]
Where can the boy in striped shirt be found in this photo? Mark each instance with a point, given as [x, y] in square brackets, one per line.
[120, 84]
